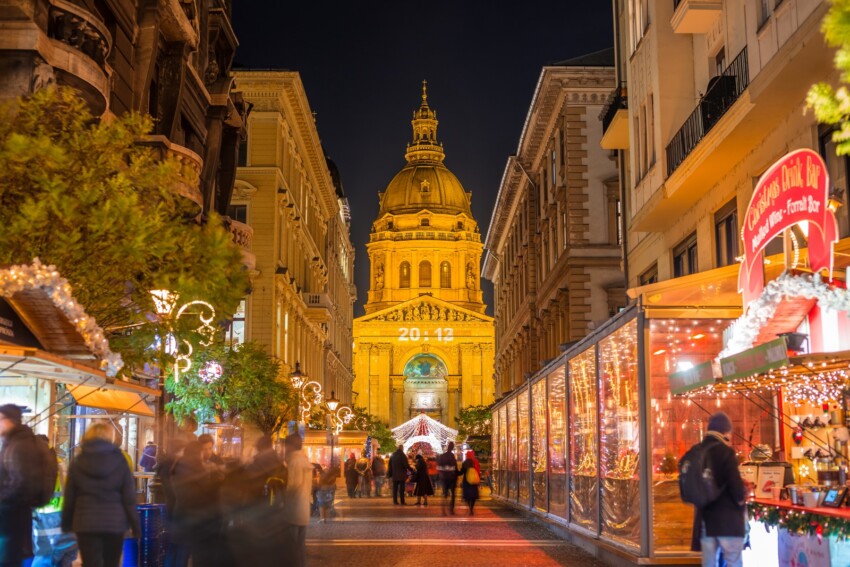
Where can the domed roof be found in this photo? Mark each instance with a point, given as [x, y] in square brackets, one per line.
[421, 186]
[425, 183]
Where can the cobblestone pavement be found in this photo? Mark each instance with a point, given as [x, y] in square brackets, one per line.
[372, 532]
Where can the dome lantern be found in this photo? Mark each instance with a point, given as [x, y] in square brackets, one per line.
[424, 147]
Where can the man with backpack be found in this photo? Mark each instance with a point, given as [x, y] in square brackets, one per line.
[19, 490]
[710, 480]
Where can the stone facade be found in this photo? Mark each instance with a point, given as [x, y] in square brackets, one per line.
[553, 246]
[291, 197]
[170, 59]
[425, 343]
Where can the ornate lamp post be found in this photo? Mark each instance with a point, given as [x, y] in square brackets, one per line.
[309, 393]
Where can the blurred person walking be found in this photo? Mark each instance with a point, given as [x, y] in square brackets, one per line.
[470, 470]
[296, 500]
[197, 517]
[326, 493]
[423, 481]
[264, 479]
[208, 455]
[447, 468]
[100, 499]
[18, 459]
[379, 472]
[165, 463]
[397, 471]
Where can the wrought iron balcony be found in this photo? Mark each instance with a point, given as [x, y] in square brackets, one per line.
[721, 94]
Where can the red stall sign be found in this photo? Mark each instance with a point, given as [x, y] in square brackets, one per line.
[795, 189]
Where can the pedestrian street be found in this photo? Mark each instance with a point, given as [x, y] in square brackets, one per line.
[375, 533]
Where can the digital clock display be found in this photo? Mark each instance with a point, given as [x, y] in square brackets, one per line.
[441, 334]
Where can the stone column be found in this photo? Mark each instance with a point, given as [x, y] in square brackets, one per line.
[454, 400]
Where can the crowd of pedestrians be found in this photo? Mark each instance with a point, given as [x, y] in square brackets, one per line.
[218, 513]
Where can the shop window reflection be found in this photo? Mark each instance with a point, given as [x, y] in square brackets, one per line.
[583, 434]
[501, 475]
[524, 446]
[557, 444]
[619, 435]
[513, 465]
[539, 446]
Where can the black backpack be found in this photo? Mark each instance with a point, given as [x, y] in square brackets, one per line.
[44, 474]
[697, 484]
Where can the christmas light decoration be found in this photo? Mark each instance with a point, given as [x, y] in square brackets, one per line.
[800, 522]
[47, 279]
[423, 429]
[165, 302]
[210, 371]
[745, 330]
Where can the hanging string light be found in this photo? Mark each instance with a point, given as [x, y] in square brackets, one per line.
[423, 429]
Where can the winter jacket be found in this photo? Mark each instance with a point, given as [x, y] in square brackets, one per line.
[100, 493]
[398, 466]
[447, 466]
[17, 458]
[379, 467]
[299, 489]
[351, 475]
[725, 516]
[422, 479]
[469, 491]
[266, 465]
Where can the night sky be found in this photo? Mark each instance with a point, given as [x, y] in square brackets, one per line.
[362, 65]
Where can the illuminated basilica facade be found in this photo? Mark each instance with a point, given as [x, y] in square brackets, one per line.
[424, 344]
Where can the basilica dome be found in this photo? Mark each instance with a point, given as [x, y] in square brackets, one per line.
[425, 183]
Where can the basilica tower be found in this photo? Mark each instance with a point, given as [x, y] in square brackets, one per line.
[425, 343]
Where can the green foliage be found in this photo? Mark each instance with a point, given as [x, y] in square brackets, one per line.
[81, 194]
[473, 420]
[250, 389]
[830, 105]
[362, 421]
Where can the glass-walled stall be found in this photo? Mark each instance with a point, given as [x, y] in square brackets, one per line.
[604, 432]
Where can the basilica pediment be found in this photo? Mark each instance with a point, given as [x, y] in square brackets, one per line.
[427, 308]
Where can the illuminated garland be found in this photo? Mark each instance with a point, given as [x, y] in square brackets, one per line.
[799, 522]
[47, 279]
[423, 429]
[745, 331]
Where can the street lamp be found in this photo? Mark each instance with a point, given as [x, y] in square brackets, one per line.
[309, 393]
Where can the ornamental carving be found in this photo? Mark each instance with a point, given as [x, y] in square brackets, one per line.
[424, 311]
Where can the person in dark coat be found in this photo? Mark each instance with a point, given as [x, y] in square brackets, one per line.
[351, 475]
[397, 471]
[197, 517]
[447, 469]
[100, 499]
[17, 458]
[721, 526]
[423, 489]
[469, 490]
[379, 472]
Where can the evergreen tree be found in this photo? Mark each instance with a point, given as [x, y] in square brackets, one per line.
[831, 105]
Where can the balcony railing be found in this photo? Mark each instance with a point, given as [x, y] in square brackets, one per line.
[80, 29]
[190, 163]
[617, 101]
[242, 234]
[722, 93]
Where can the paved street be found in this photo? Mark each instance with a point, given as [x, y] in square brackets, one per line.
[373, 533]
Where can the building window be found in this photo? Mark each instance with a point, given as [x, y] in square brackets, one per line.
[837, 166]
[685, 257]
[425, 222]
[650, 276]
[236, 329]
[239, 213]
[639, 14]
[424, 273]
[460, 225]
[445, 275]
[404, 275]
[764, 11]
[650, 130]
[242, 158]
[726, 233]
[554, 166]
[720, 62]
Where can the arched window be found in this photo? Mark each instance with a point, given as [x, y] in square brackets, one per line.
[404, 275]
[424, 273]
[445, 275]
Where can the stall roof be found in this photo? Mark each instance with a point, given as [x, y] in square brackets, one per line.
[716, 291]
[109, 399]
[32, 362]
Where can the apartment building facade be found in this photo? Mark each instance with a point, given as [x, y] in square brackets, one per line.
[554, 241]
[290, 195]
